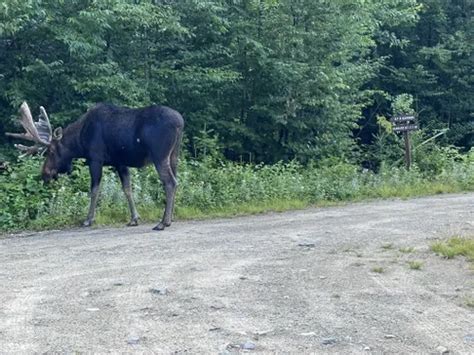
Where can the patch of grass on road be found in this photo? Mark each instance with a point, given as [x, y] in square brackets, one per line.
[455, 246]
[415, 265]
[378, 269]
[387, 246]
[406, 250]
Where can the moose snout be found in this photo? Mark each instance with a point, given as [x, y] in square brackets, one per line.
[49, 175]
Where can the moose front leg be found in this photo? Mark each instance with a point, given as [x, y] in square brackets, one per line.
[124, 175]
[95, 170]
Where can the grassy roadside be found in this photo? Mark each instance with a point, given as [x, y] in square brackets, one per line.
[211, 189]
[107, 216]
[113, 216]
[118, 214]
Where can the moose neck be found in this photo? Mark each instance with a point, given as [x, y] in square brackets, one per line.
[71, 140]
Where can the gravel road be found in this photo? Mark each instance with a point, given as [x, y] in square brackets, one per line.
[295, 282]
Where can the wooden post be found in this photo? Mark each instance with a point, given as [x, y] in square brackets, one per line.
[406, 136]
[405, 123]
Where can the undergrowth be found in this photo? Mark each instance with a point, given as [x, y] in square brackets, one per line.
[211, 187]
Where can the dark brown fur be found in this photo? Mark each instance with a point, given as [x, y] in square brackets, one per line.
[109, 135]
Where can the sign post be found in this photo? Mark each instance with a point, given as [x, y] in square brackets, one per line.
[405, 124]
[407, 149]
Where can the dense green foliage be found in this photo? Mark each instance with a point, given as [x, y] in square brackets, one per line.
[272, 79]
[434, 61]
[306, 85]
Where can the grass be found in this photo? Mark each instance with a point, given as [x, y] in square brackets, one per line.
[469, 301]
[110, 216]
[406, 250]
[455, 246]
[415, 265]
[256, 207]
[387, 246]
[378, 269]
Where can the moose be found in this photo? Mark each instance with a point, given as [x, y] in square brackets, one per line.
[110, 135]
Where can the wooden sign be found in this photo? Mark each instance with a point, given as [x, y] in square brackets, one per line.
[397, 119]
[405, 124]
[405, 127]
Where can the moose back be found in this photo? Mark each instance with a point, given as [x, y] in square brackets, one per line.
[109, 135]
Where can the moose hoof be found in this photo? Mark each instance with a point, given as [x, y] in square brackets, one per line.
[133, 222]
[159, 227]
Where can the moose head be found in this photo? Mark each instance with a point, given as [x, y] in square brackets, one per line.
[58, 161]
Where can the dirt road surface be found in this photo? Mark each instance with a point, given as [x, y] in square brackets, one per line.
[322, 280]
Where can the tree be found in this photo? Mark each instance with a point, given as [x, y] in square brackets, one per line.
[432, 60]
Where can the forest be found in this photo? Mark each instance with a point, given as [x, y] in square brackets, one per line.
[287, 103]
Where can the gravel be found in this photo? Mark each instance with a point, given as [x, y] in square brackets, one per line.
[301, 279]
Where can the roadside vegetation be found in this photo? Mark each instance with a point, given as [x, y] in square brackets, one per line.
[212, 187]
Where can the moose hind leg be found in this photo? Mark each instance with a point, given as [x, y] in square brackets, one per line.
[124, 175]
[95, 170]
[174, 158]
[169, 184]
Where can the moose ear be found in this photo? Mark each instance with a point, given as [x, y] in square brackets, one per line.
[58, 133]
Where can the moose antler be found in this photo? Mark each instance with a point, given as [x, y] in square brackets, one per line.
[38, 132]
[44, 127]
